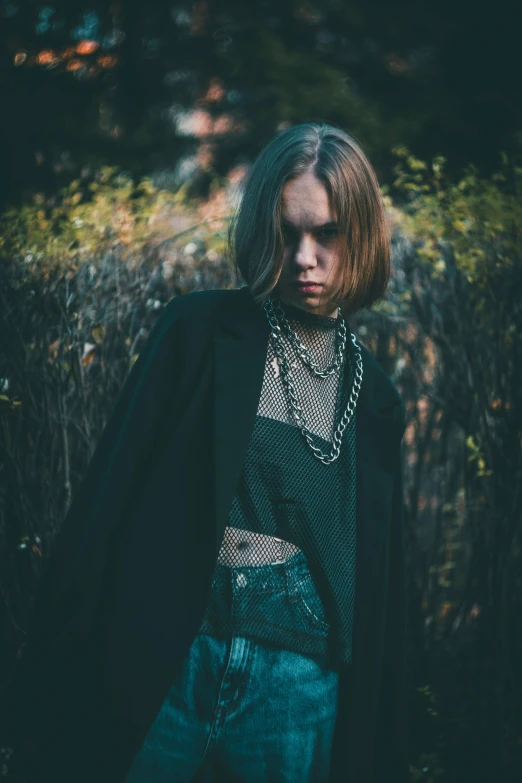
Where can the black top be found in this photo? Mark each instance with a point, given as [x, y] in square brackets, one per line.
[287, 499]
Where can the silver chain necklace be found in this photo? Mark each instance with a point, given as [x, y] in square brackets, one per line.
[278, 315]
[276, 319]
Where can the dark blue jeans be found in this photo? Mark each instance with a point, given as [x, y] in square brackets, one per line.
[243, 709]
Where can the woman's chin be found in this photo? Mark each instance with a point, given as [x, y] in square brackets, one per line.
[311, 301]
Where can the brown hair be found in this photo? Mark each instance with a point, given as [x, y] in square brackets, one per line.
[337, 160]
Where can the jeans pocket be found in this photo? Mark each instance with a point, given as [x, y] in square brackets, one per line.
[309, 602]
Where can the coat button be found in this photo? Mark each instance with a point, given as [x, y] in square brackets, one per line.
[241, 580]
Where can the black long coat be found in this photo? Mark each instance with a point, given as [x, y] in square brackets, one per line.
[125, 590]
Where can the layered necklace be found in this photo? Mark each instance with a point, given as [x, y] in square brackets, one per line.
[279, 324]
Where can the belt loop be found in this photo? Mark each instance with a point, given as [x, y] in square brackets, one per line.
[290, 581]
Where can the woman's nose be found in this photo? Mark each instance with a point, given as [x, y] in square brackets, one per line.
[305, 252]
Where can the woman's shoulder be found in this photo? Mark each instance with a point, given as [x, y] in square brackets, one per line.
[204, 305]
[196, 312]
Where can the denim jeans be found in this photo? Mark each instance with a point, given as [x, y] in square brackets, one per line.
[243, 709]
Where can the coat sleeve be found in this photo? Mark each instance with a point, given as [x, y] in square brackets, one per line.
[70, 585]
[392, 755]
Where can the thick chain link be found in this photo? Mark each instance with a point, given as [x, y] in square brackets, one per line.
[291, 393]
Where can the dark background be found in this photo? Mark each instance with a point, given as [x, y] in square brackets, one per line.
[89, 82]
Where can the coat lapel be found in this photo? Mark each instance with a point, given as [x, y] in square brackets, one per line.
[240, 352]
[239, 355]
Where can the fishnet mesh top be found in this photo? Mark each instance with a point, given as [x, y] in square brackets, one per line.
[289, 501]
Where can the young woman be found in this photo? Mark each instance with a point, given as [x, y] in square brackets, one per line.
[226, 599]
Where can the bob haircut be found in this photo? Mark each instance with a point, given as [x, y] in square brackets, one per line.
[338, 162]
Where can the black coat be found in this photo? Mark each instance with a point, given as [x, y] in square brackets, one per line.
[125, 590]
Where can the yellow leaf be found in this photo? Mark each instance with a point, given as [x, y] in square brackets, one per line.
[98, 333]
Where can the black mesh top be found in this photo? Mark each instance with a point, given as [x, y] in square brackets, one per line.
[288, 501]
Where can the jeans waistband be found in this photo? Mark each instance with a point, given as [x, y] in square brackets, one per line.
[273, 577]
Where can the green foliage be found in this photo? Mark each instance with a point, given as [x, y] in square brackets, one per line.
[87, 219]
[477, 456]
[478, 220]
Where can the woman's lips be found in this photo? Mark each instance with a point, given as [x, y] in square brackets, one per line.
[307, 288]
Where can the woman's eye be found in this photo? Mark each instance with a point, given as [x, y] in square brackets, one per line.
[328, 233]
[291, 236]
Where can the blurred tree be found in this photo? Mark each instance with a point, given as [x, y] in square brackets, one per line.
[191, 88]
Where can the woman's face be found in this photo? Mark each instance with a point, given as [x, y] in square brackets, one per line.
[311, 247]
